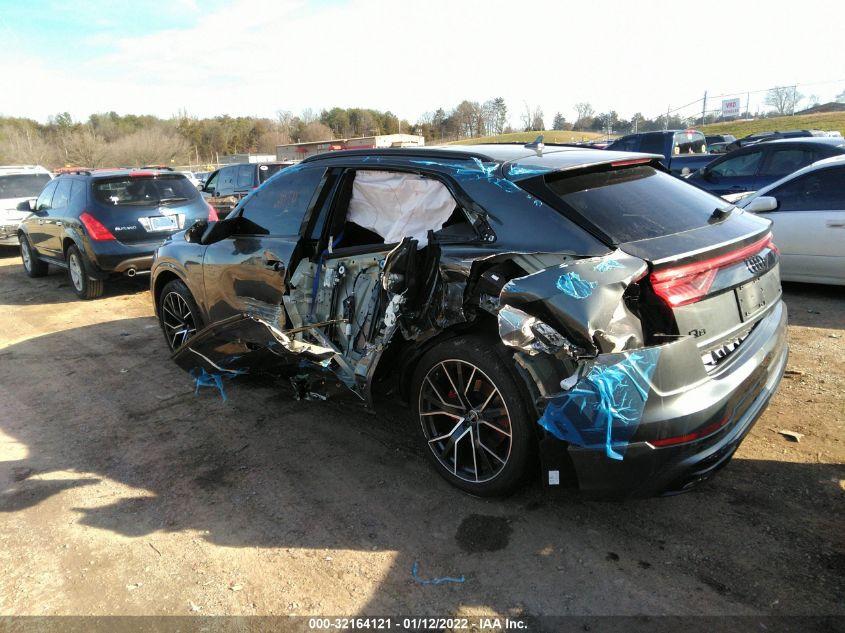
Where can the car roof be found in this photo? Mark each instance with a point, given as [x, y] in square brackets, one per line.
[553, 157]
[809, 140]
[14, 170]
[116, 172]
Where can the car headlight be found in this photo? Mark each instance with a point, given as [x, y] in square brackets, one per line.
[522, 331]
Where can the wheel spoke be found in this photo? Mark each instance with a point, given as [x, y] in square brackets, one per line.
[441, 412]
[487, 450]
[439, 397]
[474, 457]
[452, 382]
[495, 428]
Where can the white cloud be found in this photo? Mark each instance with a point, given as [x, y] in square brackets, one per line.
[256, 57]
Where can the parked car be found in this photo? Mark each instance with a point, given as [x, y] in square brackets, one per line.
[202, 176]
[807, 209]
[719, 143]
[18, 183]
[97, 224]
[225, 187]
[774, 135]
[751, 168]
[192, 177]
[578, 304]
[683, 151]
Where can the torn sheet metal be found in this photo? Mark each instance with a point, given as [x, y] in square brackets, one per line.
[522, 331]
[586, 297]
[603, 409]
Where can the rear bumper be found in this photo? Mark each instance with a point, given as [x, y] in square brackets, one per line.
[683, 399]
[108, 258]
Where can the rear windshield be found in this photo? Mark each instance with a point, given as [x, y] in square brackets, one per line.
[144, 190]
[22, 185]
[265, 171]
[634, 203]
[689, 143]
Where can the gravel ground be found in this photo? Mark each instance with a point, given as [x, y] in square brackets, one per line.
[122, 492]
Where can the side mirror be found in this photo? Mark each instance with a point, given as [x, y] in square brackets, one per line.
[26, 205]
[220, 230]
[762, 204]
[195, 232]
[708, 175]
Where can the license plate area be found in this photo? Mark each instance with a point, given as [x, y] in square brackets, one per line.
[758, 294]
[163, 223]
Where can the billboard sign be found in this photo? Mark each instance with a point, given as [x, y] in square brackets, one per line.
[730, 107]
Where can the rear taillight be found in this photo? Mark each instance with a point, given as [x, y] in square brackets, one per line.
[212, 214]
[96, 230]
[689, 283]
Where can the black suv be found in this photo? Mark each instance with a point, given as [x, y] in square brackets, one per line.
[101, 223]
[226, 187]
[583, 305]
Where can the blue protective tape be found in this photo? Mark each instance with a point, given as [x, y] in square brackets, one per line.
[524, 171]
[604, 408]
[574, 286]
[205, 379]
[606, 265]
[432, 581]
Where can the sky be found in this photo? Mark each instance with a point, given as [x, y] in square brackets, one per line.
[255, 57]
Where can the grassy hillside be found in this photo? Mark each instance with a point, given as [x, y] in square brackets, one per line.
[826, 121]
[549, 136]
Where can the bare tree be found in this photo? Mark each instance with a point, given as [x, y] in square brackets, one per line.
[148, 147]
[316, 131]
[25, 145]
[783, 99]
[584, 112]
[84, 148]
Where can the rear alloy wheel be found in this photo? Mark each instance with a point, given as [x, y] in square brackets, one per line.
[84, 286]
[473, 417]
[178, 314]
[33, 266]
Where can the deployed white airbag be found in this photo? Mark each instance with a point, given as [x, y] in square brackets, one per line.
[397, 206]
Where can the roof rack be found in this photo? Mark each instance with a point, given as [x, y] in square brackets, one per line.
[399, 151]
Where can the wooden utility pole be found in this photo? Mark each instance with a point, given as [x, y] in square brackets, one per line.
[704, 107]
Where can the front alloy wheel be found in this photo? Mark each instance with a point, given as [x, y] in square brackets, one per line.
[177, 319]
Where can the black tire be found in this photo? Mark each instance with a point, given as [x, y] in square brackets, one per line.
[32, 266]
[492, 374]
[176, 302]
[83, 285]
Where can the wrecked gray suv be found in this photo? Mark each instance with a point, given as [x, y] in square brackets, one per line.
[574, 311]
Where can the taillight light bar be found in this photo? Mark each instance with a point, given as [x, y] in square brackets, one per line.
[631, 161]
[96, 230]
[710, 429]
[689, 283]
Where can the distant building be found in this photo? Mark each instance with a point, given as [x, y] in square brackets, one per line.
[232, 159]
[298, 151]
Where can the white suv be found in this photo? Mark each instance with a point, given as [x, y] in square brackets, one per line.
[18, 183]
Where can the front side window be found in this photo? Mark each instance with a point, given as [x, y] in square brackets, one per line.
[822, 190]
[211, 183]
[278, 207]
[745, 165]
[144, 190]
[22, 185]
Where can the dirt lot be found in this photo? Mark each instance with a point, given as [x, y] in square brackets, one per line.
[123, 492]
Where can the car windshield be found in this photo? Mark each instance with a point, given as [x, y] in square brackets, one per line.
[265, 171]
[22, 185]
[144, 190]
[634, 203]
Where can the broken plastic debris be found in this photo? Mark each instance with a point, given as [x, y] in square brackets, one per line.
[791, 435]
[604, 408]
[572, 284]
[432, 581]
